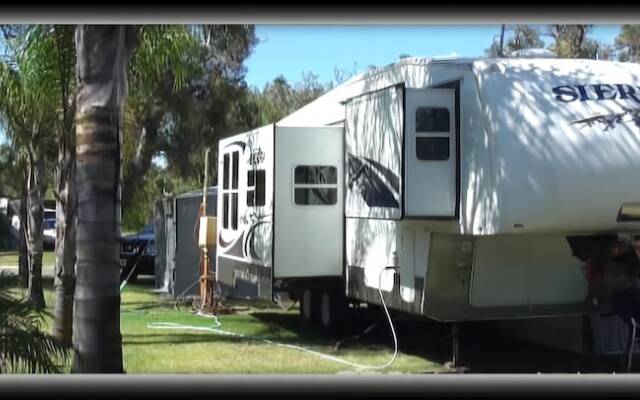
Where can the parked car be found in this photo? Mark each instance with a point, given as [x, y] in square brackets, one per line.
[137, 250]
[49, 229]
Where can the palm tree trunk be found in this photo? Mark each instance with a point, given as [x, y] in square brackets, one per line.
[65, 240]
[501, 48]
[35, 216]
[103, 54]
[23, 257]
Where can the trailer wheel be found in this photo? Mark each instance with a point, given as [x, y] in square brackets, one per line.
[308, 305]
[333, 305]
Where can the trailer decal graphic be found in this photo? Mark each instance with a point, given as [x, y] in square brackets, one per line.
[222, 242]
[570, 93]
[249, 244]
[611, 120]
[379, 186]
[236, 248]
[237, 143]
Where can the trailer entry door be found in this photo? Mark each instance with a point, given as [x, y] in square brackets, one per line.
[430, 159]
[308, 208]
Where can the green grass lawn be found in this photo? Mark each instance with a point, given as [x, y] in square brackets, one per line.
[10, 258]
[149, 350]
[424, 348]
[188, 351]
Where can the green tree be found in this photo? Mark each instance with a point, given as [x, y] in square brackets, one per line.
[183, 105]
[52, 47]
[279, 99]
[628, 43]
[59, 43]
[165, 62]
[524, 37]
[513, 38]
[572, 41]
[27, 111]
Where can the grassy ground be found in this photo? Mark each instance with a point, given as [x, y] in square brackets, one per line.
[424, 347]
[148, 350]
[185, 351]
[10, 258]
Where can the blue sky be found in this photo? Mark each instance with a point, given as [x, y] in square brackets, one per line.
[292, 50]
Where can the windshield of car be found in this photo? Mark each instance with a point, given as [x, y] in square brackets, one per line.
[147, 229]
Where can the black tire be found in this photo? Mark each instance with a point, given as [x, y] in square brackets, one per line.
[332, 309]
[309, 305]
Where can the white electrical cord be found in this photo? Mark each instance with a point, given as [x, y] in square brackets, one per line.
[126, 280]
[181, 296]
[214, 329]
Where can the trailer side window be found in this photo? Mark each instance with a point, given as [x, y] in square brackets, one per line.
[234, 211]
[236, 160]
[433, 121]
[255, 188]
[225, 172]
[230, 192]
[315, 185]
[432, 148]
[225, 210]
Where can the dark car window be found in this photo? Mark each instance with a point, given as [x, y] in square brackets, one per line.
[147, 229]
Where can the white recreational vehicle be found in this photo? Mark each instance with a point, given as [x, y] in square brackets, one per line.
[479, 181]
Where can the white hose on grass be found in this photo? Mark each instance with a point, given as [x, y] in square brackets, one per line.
[215, 329]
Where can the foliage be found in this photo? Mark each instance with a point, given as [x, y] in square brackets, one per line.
[628, 43]
[37, 93]
[187, 90]
[567, 41]
[279, 98]
[524, 37]
[28, 90]
[24, 347]
[138, 214]
[572, 41]
[10, 171]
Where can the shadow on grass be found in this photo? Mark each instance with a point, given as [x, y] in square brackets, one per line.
[488, 352]
[481, 349]
[147, 305]
[177, 338]
[248, 303]
[290, 323]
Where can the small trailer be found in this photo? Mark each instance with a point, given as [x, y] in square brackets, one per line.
[479, 181]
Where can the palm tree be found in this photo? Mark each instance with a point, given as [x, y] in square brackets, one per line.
[53, 46]
[27, 111]
[103, 53]
[60, 43]
[23, 346]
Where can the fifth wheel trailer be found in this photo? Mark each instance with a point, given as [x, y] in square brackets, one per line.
[473, 178]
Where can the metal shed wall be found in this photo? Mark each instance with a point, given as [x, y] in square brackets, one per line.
[186, 268]
[164, 243]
